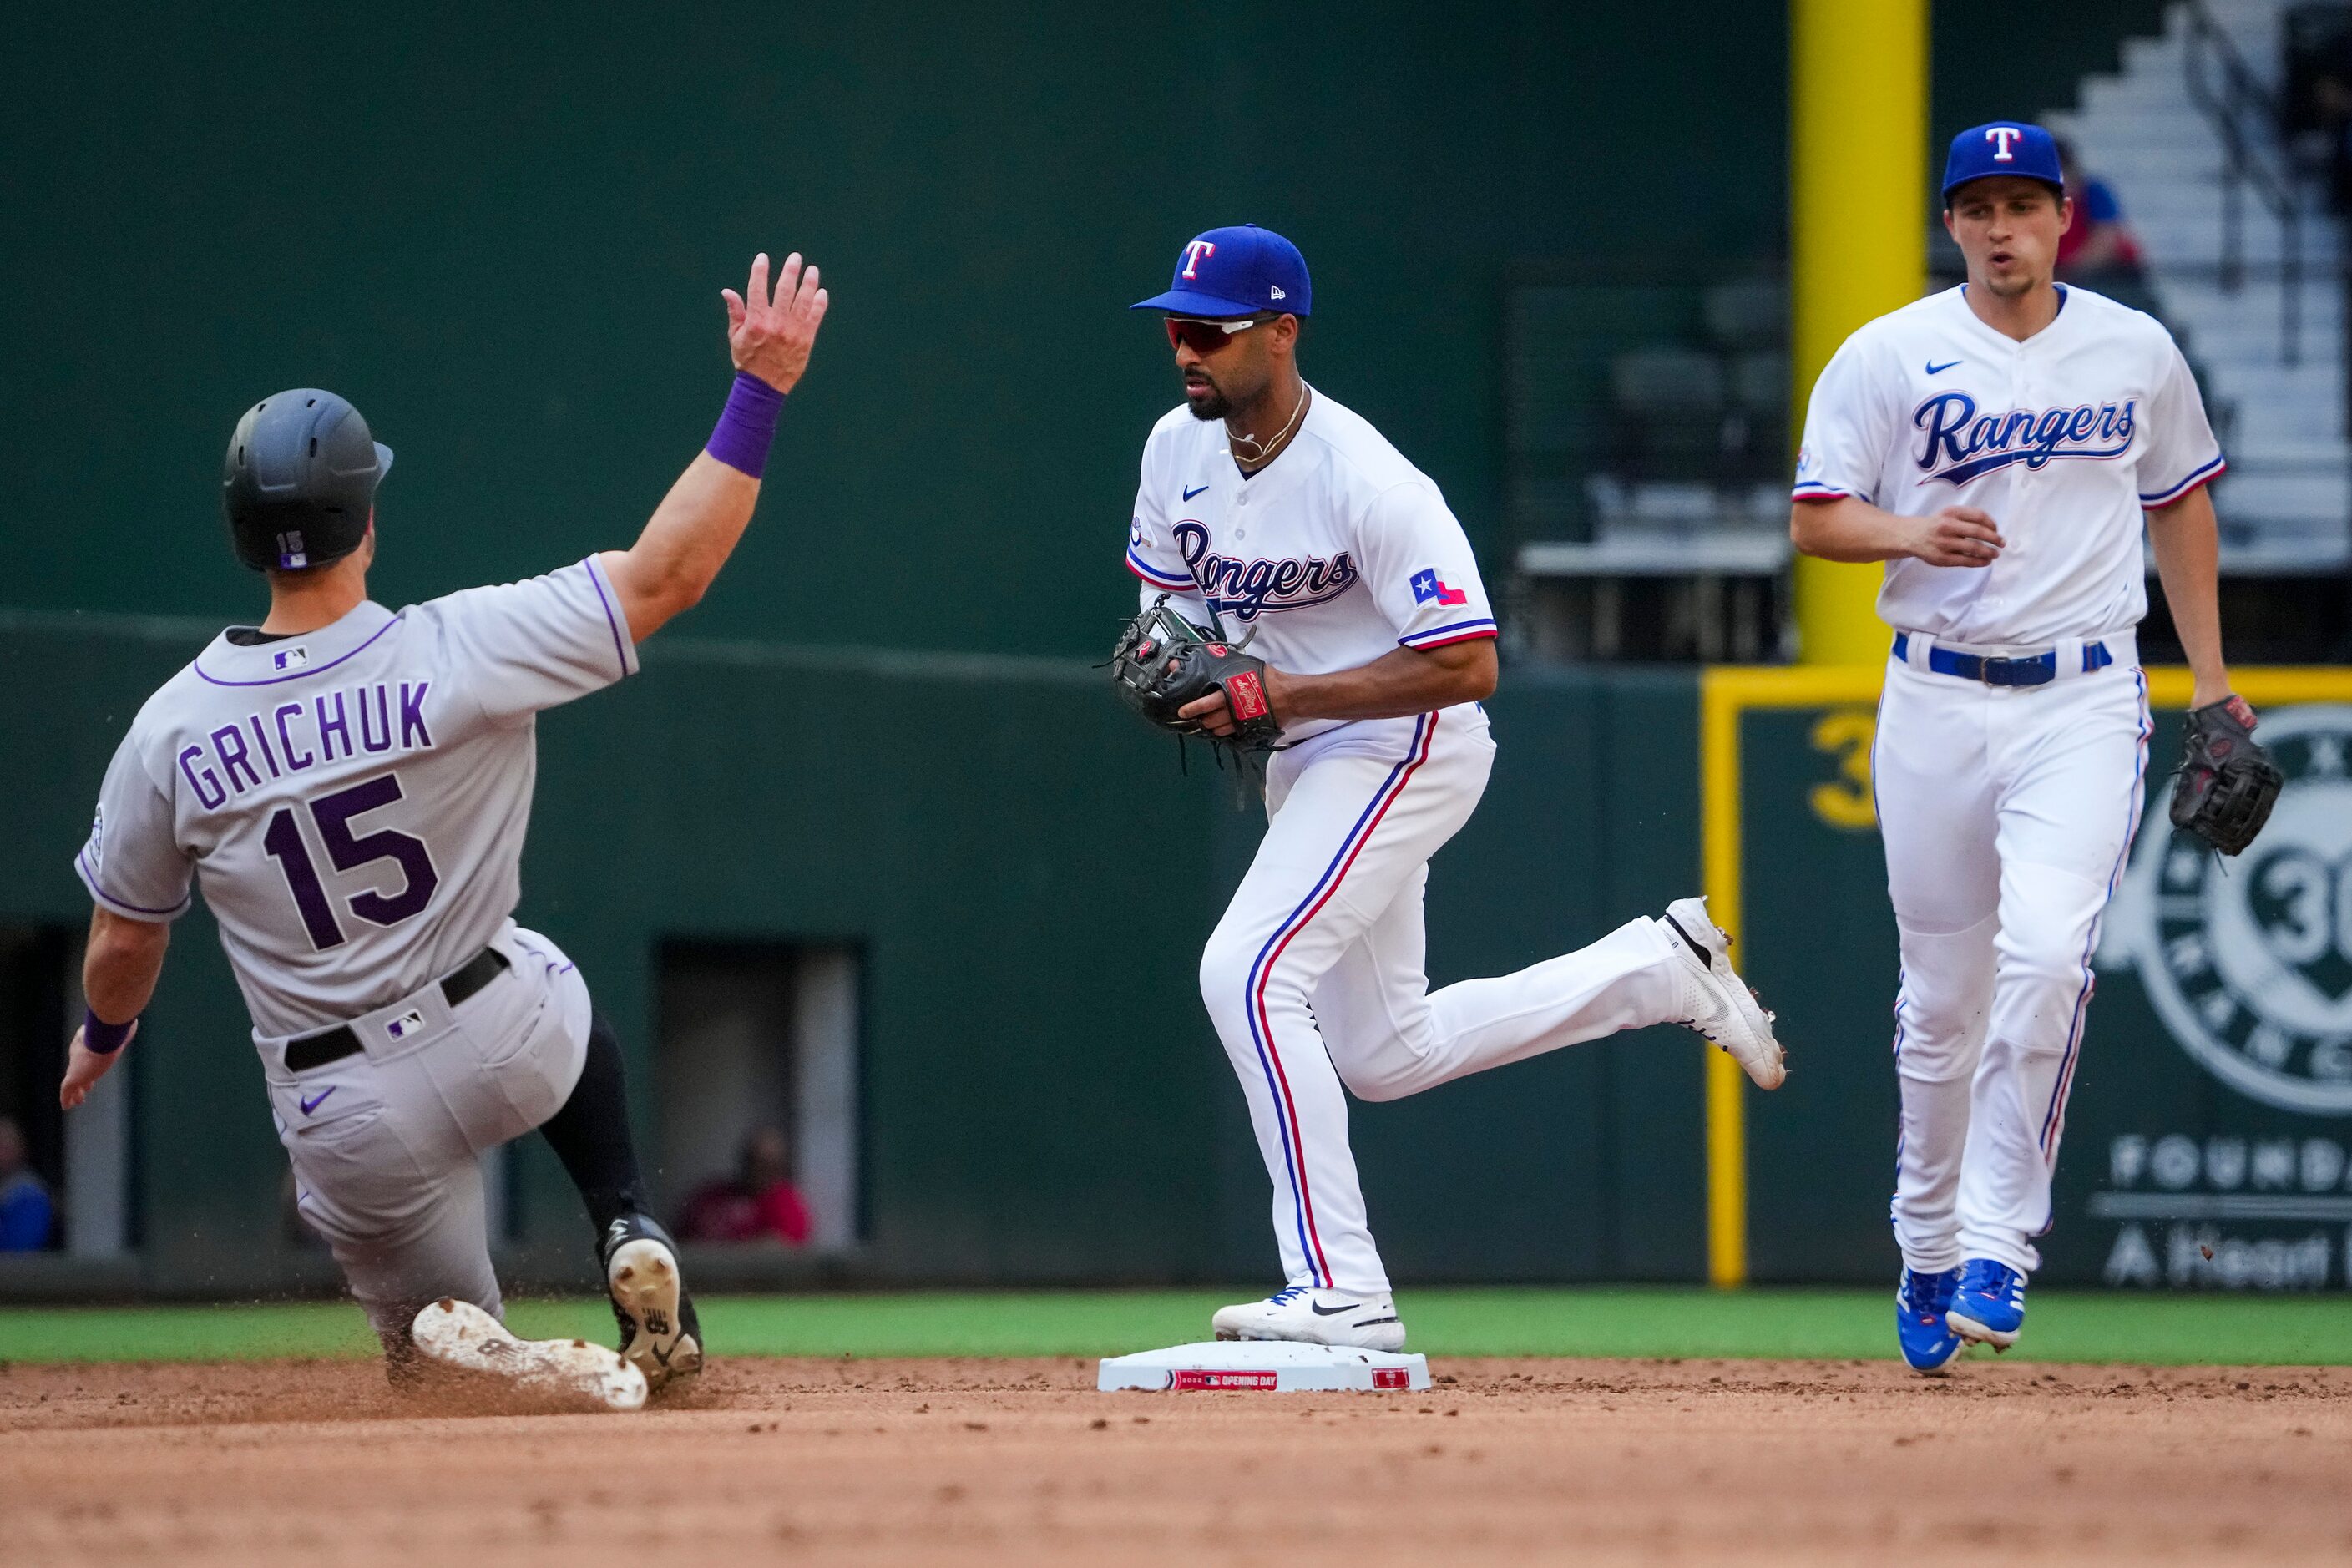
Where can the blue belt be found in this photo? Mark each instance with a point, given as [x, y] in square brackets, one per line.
[2032, 670]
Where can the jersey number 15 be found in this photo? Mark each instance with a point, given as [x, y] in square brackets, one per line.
[333, 814]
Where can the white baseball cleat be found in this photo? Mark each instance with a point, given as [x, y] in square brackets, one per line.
[1719, 1004]
[571, 1374]
[1315, 1317]
[660, 1334]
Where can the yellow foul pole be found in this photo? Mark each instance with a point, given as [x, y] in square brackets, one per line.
[1858, 208]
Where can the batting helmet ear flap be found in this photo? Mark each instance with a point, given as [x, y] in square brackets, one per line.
[298, 483]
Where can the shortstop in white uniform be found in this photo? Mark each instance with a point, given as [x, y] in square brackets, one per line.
[353, 801]
[1336, 552]
[2006, 811]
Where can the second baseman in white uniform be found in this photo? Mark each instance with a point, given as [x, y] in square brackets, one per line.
[350, 786]
[1997, 446]
[1266, 507]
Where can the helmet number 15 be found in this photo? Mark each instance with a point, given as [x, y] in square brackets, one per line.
[332, 815]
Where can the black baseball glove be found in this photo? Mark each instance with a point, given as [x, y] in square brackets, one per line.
[2228, 783]
[1164, 661]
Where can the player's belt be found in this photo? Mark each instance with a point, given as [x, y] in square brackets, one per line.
[333, 1045]
[2022, 669]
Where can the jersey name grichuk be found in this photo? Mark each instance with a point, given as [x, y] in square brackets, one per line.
[1960, 444]
[354, 803]
[291, 738]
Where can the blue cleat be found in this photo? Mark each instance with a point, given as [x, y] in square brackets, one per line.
[1920, 1301]
[1989, 1306]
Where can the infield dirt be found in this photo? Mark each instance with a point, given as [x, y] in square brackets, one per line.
[902, 1461]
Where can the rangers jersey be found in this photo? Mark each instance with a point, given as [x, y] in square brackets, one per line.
[1334, 553]
[2063, 439]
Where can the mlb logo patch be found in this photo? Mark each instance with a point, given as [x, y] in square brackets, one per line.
[1429, 588]
[290, 658]
[292, 553]
[407, 1023]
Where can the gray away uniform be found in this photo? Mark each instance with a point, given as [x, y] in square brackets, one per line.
[353, 801]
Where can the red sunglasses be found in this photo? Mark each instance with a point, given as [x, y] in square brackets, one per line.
[1204, 336]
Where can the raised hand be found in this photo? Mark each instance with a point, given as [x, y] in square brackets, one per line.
[771, 336]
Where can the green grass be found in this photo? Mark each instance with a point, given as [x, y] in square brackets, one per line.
[1634, 1322]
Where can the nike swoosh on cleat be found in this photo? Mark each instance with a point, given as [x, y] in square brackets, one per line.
[1190, 493]
[1935, 369]
[1706, 958]
[1332, 1311]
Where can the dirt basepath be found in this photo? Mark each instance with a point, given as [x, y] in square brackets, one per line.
[1020, 1461]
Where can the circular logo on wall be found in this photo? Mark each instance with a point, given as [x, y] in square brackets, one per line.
[2248, 961]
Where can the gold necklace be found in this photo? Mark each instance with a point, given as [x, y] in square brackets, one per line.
[1266, 449]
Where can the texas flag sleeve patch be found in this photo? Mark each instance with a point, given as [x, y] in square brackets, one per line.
[1429, 588]
[1443, 613]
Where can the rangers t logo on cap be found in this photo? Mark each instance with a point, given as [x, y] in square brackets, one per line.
[1235, 271]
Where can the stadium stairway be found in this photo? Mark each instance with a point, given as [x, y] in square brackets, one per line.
[2287, 504]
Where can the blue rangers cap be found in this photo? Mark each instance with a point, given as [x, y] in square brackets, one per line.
[1235, 272]
[2003, 147]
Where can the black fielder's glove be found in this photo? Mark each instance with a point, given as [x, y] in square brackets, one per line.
[2228, 783]
[1164, 661]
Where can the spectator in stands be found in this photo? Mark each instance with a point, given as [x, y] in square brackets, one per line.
[758, 1203]
[27, 1214]
[2097, 250]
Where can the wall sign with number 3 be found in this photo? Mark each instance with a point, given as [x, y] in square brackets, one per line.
[332, 815]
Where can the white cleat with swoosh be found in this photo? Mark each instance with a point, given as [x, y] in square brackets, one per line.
[1720, 1006]
[1315, 1317]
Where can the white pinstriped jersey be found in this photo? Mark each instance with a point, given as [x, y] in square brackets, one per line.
[2063, 439]
[1334, 553]
[355, 798]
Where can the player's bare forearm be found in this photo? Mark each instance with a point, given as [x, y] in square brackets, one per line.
[695, 528]
[1850, 529]
[684, 544]
[124, 960]
[1397, 685]
[2187, 541]
[118, 971]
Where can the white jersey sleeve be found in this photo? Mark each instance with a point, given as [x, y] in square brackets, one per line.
[1423, 573]
[2181, 452]
[518, 647]
[133, 864]
[1849, 427]
[1151, 553]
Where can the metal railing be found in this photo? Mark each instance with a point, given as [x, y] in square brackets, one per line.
[2245, 115]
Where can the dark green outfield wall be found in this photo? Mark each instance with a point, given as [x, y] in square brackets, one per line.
[1043, 1099]
[501, 230]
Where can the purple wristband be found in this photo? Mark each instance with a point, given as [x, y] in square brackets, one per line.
[102, 1037]
[747, 424]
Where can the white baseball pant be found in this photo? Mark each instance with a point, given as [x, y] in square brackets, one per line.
[1315, 976]
[2007, 813]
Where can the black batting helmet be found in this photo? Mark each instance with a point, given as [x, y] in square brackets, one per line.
[299, 483]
